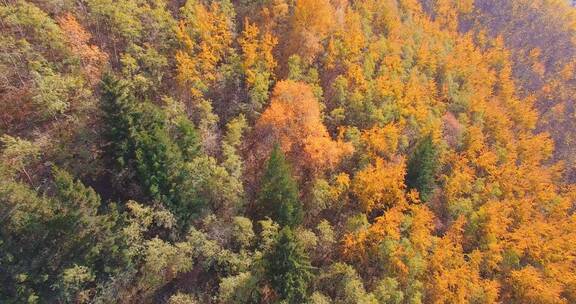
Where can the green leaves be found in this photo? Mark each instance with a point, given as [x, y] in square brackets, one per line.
[279, 192]
[288, 268]
[422, 168]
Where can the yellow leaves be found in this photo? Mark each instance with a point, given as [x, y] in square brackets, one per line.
[206, 39]
[257, 50]
[414, 222]
[539, 68]
[459, 183]
[350, 34]
[422, 227]
[324, 152]
[448, 12]
[475, 140]
[417, 100]
[454, 277]
[310, 24]
[316, 16]
[381, 185]
[382, 141]
[535, 149]
[294, 120]
[386, 16]
[528, 286]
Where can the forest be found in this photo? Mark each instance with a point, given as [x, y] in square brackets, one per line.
[287, 151]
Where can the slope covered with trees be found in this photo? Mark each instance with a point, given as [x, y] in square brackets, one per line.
[287, 151]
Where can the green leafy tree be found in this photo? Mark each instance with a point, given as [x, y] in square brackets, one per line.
[288, 268]
[422, 168]
[279, 191]
[42, 237]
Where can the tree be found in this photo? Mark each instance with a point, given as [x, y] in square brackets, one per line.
[92, 58]
[279, 192]
[343, 284]
[206, 38]
[310, 23]
[43, 237]
[118, 108]
[294, 120]
[288, 268]
[140, 145]
[258, 63]
[139, 139]
[422, 167]
[380, 186]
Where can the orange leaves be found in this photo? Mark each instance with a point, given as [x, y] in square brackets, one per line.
[310, 24]
[316, 16]
[92, 58]
[454, 277]
[528, 286]
[294, 120]
[449, 11]
[382, 141]
[413, 222]
[381, 185]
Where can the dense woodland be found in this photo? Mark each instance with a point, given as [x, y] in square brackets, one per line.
[287, 151]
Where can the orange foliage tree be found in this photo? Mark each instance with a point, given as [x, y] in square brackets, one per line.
[93, 60]
[294, 120]
[258, 62]
[310, 24]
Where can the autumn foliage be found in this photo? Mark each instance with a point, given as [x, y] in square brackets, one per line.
[287, 151]
[293, 119]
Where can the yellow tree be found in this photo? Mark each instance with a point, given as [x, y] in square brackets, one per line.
[381, 185]
[206, 40]
[454, 277]
[310, 24]
[257, 62]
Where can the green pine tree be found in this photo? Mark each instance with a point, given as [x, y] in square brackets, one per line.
[278, 195]
[288, 268]
[422, 168]
[118, 107]
[139, 141]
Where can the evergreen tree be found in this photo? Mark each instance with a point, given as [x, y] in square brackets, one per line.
[118, 107]
[154, 152]
[141, 145]
[422, 168]
[288, 268]
[279, 191]
[187, 138]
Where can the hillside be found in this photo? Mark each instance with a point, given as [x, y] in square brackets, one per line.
[287, 151]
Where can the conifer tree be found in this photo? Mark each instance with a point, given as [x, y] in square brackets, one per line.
[141, 146]
[279, 191]
[422, 168]
[117, 105]
[288, 268]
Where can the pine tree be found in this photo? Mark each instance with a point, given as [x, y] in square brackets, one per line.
[117, 105]
[422, 168]
[279, 191]
[288, 268]
[140, 145]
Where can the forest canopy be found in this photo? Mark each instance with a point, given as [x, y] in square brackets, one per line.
[287, 151]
